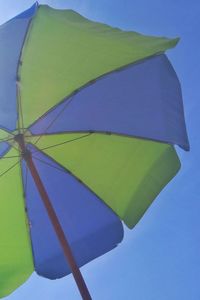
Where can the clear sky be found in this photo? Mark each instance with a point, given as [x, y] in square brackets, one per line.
[160, 258]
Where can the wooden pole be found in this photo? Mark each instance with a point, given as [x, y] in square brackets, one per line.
[26, 154]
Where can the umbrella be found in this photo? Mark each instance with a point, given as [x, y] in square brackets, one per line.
[89, 116]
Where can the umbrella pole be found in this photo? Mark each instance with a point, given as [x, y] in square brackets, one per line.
[54, 219]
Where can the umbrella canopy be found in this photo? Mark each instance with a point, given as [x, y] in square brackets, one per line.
[93, 113]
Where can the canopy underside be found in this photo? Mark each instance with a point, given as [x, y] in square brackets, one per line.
[100, 109]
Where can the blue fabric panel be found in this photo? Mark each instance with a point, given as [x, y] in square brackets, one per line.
[91, 228]
[29, 13]
[12, 36]
[4, 147]
[142, 100]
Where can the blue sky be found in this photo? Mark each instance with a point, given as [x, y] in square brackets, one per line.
[160, 258]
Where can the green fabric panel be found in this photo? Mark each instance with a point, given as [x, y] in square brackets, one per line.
[4, 134]
[64, 51]
[16, 263]
[127, 173]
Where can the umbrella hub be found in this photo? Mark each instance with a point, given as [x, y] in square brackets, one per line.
[19, 138]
